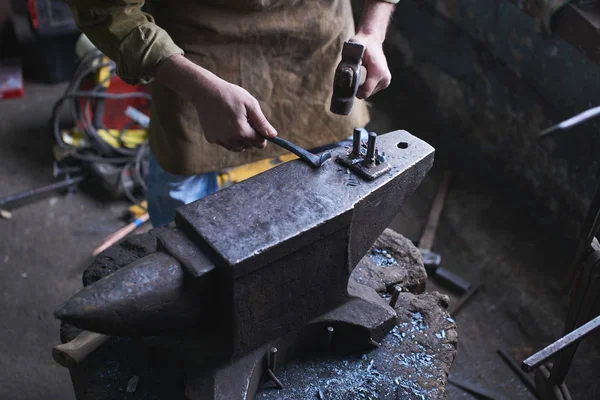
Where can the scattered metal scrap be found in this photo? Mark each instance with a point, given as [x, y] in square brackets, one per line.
[372, 375]
[382, 257]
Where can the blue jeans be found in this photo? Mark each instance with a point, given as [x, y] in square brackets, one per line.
[167, 192]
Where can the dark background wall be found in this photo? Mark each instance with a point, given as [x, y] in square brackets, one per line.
[4, 10]
[477, 80]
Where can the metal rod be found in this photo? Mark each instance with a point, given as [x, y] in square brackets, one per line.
[480, 392]
[356, 143]
[329, 336]
[573, 121]
[395, 296]
[311, 159]
[370, 157]
[463, 301]
[522, 375]
[45, 189]
[549, 351]
[272, 358]
[374, 343]
[274, 378]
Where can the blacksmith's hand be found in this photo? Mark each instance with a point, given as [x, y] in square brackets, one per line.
[230, 116]
[378, 73]
[371, 31]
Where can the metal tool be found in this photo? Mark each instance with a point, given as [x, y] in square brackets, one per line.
[464, 299]
[27, 194]
[561, 344]
[529, 384]
[349, 76]
[233, 287]
[121, 233]
[432, 261]
[311, 159]
[571, 122]
[477, 391]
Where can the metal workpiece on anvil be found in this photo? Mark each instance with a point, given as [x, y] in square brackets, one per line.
[369, 164]
[259, 259]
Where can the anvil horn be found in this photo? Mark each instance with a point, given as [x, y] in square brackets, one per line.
[150, 296]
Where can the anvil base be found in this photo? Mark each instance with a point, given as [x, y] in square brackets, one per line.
[358, 325]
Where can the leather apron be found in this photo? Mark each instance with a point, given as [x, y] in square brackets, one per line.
[284, 52]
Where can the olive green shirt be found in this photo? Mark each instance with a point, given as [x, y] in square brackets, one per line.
[284, 52]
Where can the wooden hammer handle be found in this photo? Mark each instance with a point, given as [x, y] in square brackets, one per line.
[433, 220]
[72, 353]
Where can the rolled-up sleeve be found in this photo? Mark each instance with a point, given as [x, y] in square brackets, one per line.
[128, 36]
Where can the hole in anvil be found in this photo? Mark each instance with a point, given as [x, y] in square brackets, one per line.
[402, 145]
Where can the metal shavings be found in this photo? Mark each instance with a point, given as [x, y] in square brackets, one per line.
[417, 322]
[382, 257]
[380, 157]
[352, 181]
[373, 375]
[132, 384]
[370, 366]
[5, 214]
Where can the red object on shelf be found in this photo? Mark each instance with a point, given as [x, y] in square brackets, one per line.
[11, 79]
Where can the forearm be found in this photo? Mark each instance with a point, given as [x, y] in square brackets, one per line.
[183, 76]
[375, 19]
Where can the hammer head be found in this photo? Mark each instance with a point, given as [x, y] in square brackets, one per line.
[348, 77]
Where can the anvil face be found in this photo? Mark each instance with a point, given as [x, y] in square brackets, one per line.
[280, 211]
[270, 253]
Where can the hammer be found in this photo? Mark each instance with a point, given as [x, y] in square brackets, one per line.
[349, 76]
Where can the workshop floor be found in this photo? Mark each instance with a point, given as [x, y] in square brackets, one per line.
[483, 237]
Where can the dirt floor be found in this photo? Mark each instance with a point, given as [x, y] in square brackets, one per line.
[483, 236]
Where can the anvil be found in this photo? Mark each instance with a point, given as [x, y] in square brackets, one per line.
[262, 263]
